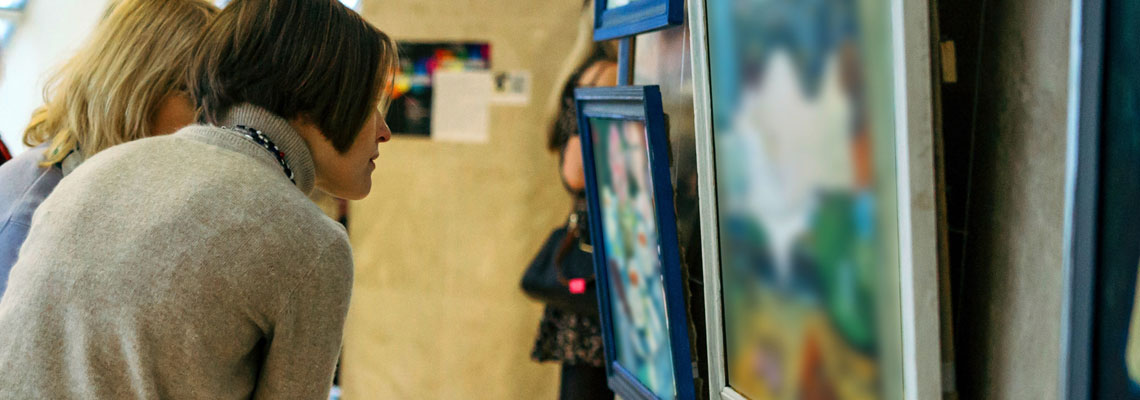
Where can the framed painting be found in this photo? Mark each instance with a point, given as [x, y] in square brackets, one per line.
[411, 110]
[815, 154]
[620, 18]
[1101, 329]
[634, 231]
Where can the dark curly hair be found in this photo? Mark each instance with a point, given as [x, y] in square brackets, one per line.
[566, 122]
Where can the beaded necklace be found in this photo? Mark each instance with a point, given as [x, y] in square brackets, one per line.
[257, 137]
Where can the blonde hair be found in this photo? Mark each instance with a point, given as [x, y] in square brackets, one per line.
[110, 90]
[579, 53]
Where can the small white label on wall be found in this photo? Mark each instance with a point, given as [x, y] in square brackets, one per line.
[461, 106]
[511, 88]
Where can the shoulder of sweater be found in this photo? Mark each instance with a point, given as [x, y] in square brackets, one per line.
[256, 189]
[337, 237]
[330, 275]
[338, 252]
[312, 230]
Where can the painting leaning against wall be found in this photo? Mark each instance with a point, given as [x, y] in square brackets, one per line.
[802, 110]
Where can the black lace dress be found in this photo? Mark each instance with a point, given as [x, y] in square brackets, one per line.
[570, 338]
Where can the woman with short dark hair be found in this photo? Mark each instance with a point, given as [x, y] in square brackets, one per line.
[193, 265]
[570, 331]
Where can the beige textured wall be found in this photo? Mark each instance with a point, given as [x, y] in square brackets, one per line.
[1011, 317]
[442, 241]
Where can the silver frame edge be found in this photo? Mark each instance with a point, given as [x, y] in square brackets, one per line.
[918, 243]
[706, 181]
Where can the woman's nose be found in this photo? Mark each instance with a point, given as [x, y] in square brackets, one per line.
[383, 134]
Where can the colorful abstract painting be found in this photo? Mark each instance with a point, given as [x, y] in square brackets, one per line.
[410, 109]
[804, 161]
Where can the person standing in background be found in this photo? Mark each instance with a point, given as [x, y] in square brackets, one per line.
[194, 265]
[570, 330]
[126, 83]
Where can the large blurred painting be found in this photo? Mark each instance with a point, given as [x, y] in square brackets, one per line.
[803, 132]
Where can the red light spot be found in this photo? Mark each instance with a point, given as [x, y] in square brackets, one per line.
[577, 286]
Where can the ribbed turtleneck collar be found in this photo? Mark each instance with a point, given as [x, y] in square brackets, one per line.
[287, 139]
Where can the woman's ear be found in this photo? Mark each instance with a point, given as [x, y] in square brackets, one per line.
[307, 128]
[303, 120]
[175, 111]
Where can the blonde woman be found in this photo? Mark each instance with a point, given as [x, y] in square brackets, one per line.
[127, 83]
[194, 265]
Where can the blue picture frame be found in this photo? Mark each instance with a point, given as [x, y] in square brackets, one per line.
[639, 16]
[643, 104]
[1101, 273]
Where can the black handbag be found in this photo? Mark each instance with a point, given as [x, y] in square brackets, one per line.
[562, 273]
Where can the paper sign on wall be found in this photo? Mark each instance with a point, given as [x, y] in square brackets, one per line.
[511, 88]
[460, 110]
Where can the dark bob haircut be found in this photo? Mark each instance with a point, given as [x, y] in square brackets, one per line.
[565, 123]
[315, 59]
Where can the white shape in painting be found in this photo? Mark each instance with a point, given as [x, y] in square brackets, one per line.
[791, 147]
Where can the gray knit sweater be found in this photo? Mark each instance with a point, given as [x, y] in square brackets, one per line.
[179, 267]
